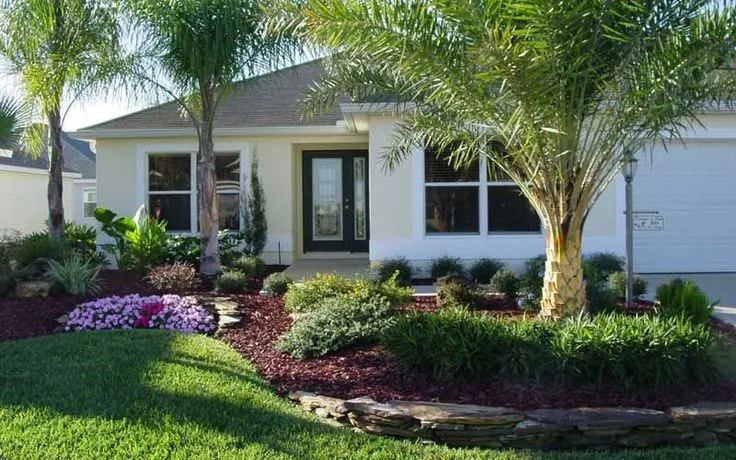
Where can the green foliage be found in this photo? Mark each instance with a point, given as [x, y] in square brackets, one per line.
[483, 270]
[452, 293]
[388, 267]
[336, 324]
[309, 295]
[531, 280]
[617, 283]
[232, 282]
[256, 230]
[446, 266]
[631, 352]
[605, 262]
[80, 238]
[12, 118]
[684, 299]
[230, 246]
[252, 266]
[598, 293]
[37, 246]
[506, 283]
[141, 242]
[277, 283]
[183, 248]
[75, 275]
[176, 278]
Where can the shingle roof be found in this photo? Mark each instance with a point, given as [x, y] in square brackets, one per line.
[268, 100]
[78, 158]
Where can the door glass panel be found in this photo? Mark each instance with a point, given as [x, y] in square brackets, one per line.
[359, 198]
[327, 199]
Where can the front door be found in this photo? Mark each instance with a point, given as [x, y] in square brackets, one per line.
[335, 190]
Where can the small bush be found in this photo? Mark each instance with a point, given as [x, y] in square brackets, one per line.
[684, 299]
[232, 282]
[630, 352]
[531, 280]
[81, 239]
[506, 283]
[74, 274]
[617, 283]
[37, 246]
[337, 324]
[483, 270]
[605, 262]
[386, 269]
[252, 266]
[277, 283]
[184, 248]
[176, 277]
[452, 293]
[446, 266]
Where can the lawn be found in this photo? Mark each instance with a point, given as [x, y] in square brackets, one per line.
[136, 394]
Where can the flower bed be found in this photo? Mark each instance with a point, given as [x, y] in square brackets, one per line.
[170, 312]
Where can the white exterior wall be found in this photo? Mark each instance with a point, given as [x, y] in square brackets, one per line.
[79, 187]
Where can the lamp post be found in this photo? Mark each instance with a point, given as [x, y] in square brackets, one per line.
[628, 168]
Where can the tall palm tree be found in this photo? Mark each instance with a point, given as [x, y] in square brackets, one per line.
[193, 51]
[554, 93]
[11, 119]
[59, 50]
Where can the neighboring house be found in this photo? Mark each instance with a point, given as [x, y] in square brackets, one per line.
[24, 184]
[328, 195]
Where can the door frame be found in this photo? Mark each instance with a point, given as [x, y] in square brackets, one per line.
[347, 244]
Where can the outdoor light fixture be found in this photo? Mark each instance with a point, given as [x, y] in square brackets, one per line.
[628, 168]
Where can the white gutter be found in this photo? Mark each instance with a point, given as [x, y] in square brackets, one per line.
[43, 172]
[337, 129]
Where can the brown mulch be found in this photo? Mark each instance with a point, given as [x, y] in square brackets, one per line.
[369, 371]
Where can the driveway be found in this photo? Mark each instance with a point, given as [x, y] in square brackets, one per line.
[718, 286]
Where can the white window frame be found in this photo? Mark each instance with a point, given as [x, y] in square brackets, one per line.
[85, 202]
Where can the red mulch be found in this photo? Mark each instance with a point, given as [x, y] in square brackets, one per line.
[368, 371]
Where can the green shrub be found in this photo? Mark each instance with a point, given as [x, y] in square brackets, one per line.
[173, 278]
[74, 274]
[446, 266]
[184, 248]
[617, 283]
[605, 262]
[141, 242]
[256, 231]
[483, 270]
[337, 324]
[252, 266]
[386, 269]
[37, 246]
[232, 282]
[277, 283]
[452, 293]
[684, 299]
[531, 281]
[80, 238]
[630, 352]
[505, 282]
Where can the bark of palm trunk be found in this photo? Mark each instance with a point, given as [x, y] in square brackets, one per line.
[563, 293]
[55, 189]
[207, 197]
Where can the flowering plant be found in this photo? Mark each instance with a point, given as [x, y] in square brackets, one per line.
[170, 312]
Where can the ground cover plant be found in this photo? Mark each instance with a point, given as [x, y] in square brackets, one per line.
[75, 275]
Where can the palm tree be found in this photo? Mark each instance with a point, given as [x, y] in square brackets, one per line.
[59, 50]
[555, 94]
[193, 51]
[11, 120]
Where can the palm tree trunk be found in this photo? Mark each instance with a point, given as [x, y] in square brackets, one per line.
[563, 293]
[207, 192]
[56, 185]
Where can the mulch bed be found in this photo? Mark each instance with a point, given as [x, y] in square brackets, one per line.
[368, 371]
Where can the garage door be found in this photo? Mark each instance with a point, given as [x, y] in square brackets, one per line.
[685, 209]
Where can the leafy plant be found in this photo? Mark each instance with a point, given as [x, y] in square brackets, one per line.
[451, 293]
[115, 227]
[385, 269]
[483, 270]
[605, 262]
[531, 280]
[37, 246]
[277, 284]
[80, 238]
[684, 299]
[617, 283]
[145, 246]
[177, 277]
[252, 266]
[232, 282]
[75, 274]
[256, 231]
[506, 283]
[446, 266]
[183, 248]
[338, 323]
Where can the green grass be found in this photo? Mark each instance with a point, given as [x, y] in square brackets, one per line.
[150, 394]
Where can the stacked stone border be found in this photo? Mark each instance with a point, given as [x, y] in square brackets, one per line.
[700, 424]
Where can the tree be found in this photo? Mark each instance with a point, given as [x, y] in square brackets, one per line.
[256, 231]
[193, 51]
[553, 93]
[11, 120]
[58, 49]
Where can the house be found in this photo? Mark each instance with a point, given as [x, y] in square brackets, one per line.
[328, 195]
[24, 183]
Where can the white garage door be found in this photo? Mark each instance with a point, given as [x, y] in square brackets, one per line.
[685, 208]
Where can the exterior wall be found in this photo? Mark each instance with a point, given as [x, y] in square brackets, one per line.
[24, 207]
[79, 186]
[398, 229]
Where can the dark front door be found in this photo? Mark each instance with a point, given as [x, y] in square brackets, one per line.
[335, 190]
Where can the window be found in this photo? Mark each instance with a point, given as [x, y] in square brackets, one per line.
[172, 190]
[467, 202]
[89, 200]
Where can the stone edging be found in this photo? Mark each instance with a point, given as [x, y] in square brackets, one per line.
[229, 313]
[471, 425]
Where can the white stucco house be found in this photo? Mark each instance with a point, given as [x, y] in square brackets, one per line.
[329, 197]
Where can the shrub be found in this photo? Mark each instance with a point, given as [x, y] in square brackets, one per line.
[391, 290]
[37, 246]
[605, 262]
[531, 280]
[483, 270]
[81, 239]
[337, 324]
[277, 283]
[626, 351]
[617, 283]
[452, 293]
[170, 312]
[252, 266]
[386, 269]
[446, 266]
[176, 277]
[74, 274]
[257, 227]
[506, 283]
[684, 299]
[140, 242]
[232, 282]
[183, 248]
